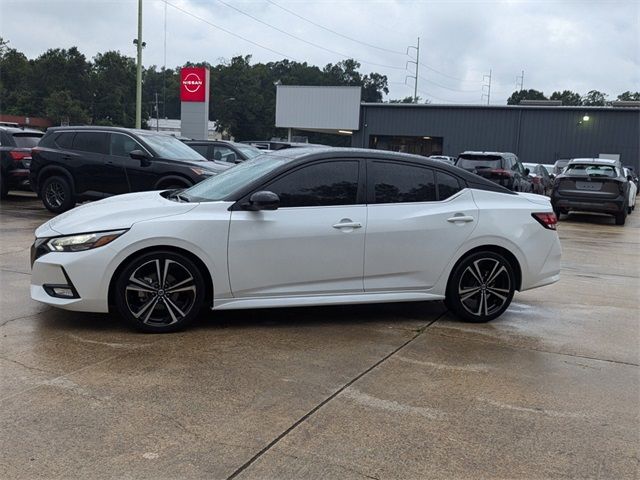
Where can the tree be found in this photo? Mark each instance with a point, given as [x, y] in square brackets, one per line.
[519, 95]
[629, 96]
[594, 98]
[567, 97]
[113, 90]
[62, 107]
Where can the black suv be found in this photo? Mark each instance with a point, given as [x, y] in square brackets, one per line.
[224, 151]
[15, 157]
[502, 168]
[72, 164]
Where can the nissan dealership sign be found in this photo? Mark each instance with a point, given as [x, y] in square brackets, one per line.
[194, 102]
[194, 84]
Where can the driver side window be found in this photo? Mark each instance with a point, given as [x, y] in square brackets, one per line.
[122, 145]
[319, 184]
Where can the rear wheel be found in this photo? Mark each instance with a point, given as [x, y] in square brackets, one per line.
[56, 194]
[481, 287]
[160, 292]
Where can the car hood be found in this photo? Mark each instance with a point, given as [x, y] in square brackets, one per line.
[120, 211]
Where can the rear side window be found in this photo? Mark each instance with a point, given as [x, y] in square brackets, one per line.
[472, 162]
[92, 142]
[26, 141]
[448, 185]
[320, 184]
[65, 140]
[398, 183]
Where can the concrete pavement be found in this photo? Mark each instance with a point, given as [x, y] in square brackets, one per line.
[549, 390]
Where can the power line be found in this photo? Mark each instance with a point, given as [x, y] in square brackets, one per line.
[448, 88]
[230, 32]
[300, 39]
[445, 74]
[333, 31]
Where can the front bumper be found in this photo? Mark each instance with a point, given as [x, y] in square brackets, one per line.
[85, 275]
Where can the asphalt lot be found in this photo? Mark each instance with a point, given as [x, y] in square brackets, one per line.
[549, 390]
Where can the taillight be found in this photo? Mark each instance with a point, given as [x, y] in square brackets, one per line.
[18, 155]
[546, 219]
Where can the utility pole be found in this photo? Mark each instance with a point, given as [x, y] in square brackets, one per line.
[520, 79]
[139, 45]
[164, 65]
[415, 77]
[486, 78]
[157, 113]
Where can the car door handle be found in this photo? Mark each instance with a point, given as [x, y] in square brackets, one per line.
[347, 224]
[460, 218]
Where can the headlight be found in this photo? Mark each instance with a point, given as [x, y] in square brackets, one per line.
[202, 172]
[82, 241]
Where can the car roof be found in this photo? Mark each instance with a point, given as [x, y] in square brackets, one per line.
[13, 130]
[595, 161]
[474, 152]
[137, 131]
[307, 154]
[226, 142]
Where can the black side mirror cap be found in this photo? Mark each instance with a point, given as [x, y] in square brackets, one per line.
[138, 155]
[263, 200]
[527, 171]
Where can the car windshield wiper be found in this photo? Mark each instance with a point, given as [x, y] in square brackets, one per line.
[181, 197]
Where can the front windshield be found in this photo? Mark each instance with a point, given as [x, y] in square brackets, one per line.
[249, 151]
[166, 146]
[225, 183]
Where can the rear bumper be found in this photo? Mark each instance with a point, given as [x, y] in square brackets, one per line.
[18, 178]
[586, 204]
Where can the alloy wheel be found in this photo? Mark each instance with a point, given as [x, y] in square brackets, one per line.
[484, 287]
[55, 194]
[160, 292]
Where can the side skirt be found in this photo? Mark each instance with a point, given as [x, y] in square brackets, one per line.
[314, 300]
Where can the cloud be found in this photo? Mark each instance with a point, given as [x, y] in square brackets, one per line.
[569, 44]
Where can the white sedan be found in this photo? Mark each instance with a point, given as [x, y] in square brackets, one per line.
[300, 227]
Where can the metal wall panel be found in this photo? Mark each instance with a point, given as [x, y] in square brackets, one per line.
[535, 134]
[318, 108]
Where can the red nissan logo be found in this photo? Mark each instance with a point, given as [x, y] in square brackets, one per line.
[192, 82]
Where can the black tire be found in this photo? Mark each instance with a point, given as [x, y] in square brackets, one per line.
[481, 287]
[153, 308]
[621, 217]
[4, 189]
[56, 194]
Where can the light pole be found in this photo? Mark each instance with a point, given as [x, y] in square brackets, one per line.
[139, 46]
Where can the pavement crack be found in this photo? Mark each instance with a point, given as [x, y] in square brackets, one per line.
[311, 412]
[14, 271]
[29, 367]
[24, 316]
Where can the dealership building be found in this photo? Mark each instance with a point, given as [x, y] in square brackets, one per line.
[535, 133]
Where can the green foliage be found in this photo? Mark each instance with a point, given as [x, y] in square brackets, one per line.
[405, 100]
[567, 97]
[595, 98]
[519, 95]
[629, 96]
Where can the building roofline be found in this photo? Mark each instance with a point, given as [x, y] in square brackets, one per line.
[501, 107]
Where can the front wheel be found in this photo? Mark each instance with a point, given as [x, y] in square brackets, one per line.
[481, 287]
[160, 292]
[621, 217]
[56, 194]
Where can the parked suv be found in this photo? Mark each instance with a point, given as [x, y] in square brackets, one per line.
[592, 185]
[15, 157]
[72, 164]
[224, 151]
[502, 168]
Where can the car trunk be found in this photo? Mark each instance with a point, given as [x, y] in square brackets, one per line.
[590, 186]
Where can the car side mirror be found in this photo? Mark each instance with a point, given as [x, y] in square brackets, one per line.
[527, 171]
[263, 200]
[140, 155]
[630, 178]
[232, 158]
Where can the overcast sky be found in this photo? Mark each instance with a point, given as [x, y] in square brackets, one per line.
[578, 45]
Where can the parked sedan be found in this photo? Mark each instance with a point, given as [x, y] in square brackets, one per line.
[592, 185]
[223, 151]
[540, 179]
[289, 229]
